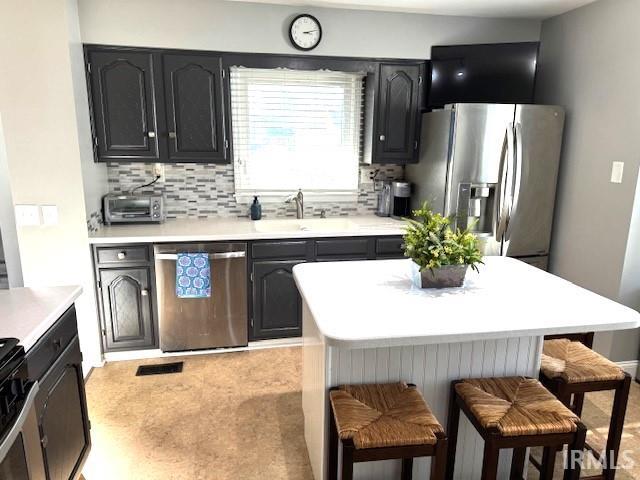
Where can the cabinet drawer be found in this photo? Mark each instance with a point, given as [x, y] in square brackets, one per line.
[390, 247]
[286, 249]
[45, 352]
[124, 254]
[352, 247]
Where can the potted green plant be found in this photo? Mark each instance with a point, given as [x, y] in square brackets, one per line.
[440, 255]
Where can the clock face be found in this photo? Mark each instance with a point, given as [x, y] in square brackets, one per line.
[305, 32]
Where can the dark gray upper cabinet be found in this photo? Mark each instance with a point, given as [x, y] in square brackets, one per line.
[123, 105]
[277, 306]
[398, 113]
[150, 105]
[194, 107]
[127, 308]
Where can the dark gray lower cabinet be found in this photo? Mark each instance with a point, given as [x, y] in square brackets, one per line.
[127, 308]
[55, 361]
[62, 416]
[277, 307]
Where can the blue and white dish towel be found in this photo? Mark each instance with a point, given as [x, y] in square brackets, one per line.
[193, 275]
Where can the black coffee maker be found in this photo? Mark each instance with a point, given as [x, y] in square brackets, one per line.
[400, 199]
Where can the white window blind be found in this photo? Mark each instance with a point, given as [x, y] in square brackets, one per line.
[296, 129]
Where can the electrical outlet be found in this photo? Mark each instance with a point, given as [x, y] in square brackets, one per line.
[27, 215]
[158, 171]
[617, 169]
[365, 177]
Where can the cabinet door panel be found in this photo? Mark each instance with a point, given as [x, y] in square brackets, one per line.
[398, 113]
[195, 122]
[126, 301]
[62, 416]
[277, 306]
[123, 104]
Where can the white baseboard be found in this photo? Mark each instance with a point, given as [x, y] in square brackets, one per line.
[157, 353]
[631, 367]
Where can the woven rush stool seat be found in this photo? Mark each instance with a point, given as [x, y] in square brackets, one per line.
[383, 415]
[575, 363]
[516, 406]
[384, 421]
[516, 413]
[569, 369]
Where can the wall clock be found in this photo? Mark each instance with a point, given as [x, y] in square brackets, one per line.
[305, 32]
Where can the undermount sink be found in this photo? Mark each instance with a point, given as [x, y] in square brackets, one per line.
[304, 225]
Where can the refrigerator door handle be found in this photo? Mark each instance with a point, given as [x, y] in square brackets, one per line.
[517, 175]
[503, 199]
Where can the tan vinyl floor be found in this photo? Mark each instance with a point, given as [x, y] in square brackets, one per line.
[231, 416]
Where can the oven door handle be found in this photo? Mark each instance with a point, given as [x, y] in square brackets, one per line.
[212, 256]
[19, 424]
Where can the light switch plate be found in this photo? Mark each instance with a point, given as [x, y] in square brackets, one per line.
[49, 214]
[616, 172]
[27, 215]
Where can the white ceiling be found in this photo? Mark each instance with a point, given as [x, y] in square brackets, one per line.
[474, 8]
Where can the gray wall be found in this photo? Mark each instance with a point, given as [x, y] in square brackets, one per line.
[252, 27]
[94, 175]
[589, 63]
[9, 242]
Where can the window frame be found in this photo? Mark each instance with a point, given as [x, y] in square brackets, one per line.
[296, 62]
[353, 119]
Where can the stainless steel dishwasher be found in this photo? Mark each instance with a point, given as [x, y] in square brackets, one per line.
[199, 323]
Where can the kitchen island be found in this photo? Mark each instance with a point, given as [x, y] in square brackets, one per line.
[365, 322]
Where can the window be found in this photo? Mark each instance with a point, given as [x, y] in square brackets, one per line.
[296, 129]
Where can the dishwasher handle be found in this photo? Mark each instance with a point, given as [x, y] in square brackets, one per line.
[212, 256]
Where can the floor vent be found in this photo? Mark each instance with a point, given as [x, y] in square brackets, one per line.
[159, 369]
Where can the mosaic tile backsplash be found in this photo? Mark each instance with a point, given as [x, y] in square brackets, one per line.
[207, 190]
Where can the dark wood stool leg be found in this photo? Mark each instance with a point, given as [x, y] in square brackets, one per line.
[439, 460]
[347, 460]
[453, 421]
[548, 462]
[575, 454]
[616, 425]
[334, 444]
[578, 403]
[407, 469]
[517, 463]
[490, 460]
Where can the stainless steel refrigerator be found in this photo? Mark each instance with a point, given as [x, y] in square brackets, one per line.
[494, 168]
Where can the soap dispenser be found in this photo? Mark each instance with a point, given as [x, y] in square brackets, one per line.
[256, 209]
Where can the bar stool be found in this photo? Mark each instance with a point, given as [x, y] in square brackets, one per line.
[514, 412]
[383, 422]
[571, 369]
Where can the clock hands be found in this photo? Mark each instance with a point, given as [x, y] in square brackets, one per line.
[310, 31]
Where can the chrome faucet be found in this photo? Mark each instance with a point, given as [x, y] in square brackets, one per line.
[299, 199]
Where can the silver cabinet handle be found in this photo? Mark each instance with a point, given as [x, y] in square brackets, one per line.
[144, 292]
[173, 135]
[122, 255]
[382, 138]
[151, 134]
[212, 256]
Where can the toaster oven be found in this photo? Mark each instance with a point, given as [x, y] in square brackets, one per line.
[133, 209]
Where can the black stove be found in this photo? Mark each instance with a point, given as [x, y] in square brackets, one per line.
[13, 381]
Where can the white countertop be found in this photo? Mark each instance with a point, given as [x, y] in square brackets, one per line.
[27, 313]
[368, 304]
[213, 229]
